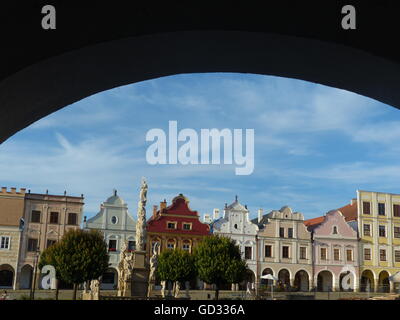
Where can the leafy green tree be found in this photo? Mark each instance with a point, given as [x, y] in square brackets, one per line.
[176, 265]
[78, 257]
[218, 261]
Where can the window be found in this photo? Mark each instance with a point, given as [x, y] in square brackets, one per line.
[334, 231]
[397, 255]
[282, 232]
[303, 253]
[367, 230]
[290, 233]
[381, 209]
[72, 219]
[323, 253]
[366, 207]
[114, 220]
[187, 226]
[112, 245]
[171, 225]
[170, 244]
[108, 277]
[382, 231]
[268, 251]
[285, 252]
[4, 242]
[32, 245]
[336, 254]
[247, 253]
[54, 217]
[349, 255]
[382, 255]
[186, 246]
[50, 242]
[35, 216]
[131, 245]
[396, 210]
[397, 232]
[367, 254]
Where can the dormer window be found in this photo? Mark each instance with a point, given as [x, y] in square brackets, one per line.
[334, 231]
[171, 225]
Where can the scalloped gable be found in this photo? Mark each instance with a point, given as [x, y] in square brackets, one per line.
[180, 206]
[331, 219]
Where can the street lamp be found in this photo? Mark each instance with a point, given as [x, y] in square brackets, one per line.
[36, 261]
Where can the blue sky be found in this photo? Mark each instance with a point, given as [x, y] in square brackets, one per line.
[314, 145]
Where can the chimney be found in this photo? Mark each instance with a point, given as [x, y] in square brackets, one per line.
[353, 201]
[155, 211]
[163, 205]
[22, 190]
[13, 190]
[206, 218]
[260, 213]
[216, 214]
[3, 189]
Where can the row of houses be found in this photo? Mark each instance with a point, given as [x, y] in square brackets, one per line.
[355, 247]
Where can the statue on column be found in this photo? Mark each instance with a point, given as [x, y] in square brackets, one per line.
[141, 221]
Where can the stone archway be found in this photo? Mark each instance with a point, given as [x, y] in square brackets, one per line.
[301, 281]
[349, 280]
[325, 281]
[266, 282]
[367, 281]
[383, 282]
[25, 281]
[109, 280]
[284, 280]
[6, 276]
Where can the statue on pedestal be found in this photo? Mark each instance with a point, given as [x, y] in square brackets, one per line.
[153, 268]
[94, 289]
[125, 270]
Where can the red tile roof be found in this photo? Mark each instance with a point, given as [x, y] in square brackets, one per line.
[349, 211]
[314, 221]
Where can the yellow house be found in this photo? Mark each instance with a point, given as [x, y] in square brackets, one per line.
[379, 246]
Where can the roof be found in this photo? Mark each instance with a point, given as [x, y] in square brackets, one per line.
[314, 221]
[349, 211]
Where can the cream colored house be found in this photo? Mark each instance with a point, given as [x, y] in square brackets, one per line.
[285, 249]
[11, 212]
[378, 217]
[47, 218]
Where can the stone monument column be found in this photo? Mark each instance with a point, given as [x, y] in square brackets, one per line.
[140, 274]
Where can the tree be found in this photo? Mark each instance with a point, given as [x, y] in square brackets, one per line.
[176, 265]
[79, 256]
[218, 261]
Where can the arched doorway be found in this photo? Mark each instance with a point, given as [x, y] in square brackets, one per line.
[6, 276]
[25, 281]
[301, 281]
[367, 281]
[325, 281]
[383, 282]
[109, 280]
[266, 282]
[284, 280]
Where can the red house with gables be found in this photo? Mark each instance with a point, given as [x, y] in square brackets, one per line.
[175, 226]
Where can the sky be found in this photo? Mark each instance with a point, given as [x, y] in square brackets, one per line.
[314, 145]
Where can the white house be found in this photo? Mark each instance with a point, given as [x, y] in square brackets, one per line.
[117, 225]
[236, 224]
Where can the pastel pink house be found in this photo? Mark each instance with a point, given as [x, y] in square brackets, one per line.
[335, 249]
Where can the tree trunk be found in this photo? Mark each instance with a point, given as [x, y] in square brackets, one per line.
[75, 289]
[216, 291]
[57, 288]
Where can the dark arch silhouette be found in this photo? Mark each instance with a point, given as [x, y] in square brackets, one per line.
[99, 47]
